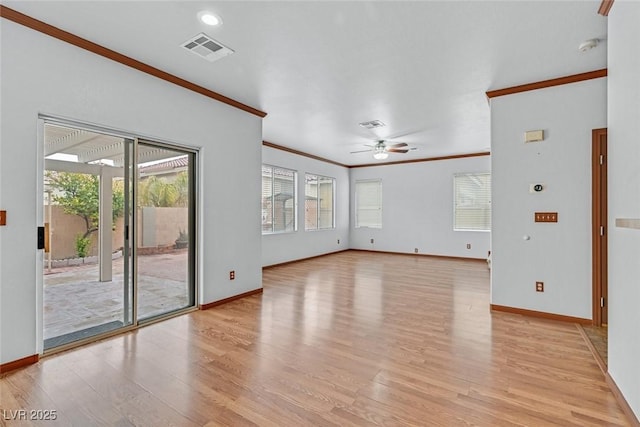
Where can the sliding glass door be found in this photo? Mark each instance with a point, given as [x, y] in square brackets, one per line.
[87, 279]
[120, 233]
[166, 227]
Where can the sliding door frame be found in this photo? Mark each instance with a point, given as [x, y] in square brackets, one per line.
[133, 138]
[193, 214]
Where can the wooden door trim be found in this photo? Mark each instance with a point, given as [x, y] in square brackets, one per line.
[598, 245]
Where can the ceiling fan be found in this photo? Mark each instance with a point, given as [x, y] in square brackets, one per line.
[381, 149]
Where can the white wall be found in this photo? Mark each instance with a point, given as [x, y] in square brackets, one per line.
[43, 75]
[417, 209]
[559, 254]
[624, 199]
[283, 247]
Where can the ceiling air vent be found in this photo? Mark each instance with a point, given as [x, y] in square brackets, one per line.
[372, 124]
[206, 47]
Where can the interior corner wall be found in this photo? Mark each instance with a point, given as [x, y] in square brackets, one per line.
[417, 209]
[558, 254]
[283, 247]
[624, 199]
[40, 74]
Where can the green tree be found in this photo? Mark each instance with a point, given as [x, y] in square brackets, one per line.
[182, 188]
[79, 194]
[160, 193]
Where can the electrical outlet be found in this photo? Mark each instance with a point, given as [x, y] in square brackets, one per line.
[416, 250]
[372, 241]
[539, 286]
[338, 241]
[468, 245]
[232, 275]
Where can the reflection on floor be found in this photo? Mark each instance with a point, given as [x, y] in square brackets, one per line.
[598, 336]
[349, 339]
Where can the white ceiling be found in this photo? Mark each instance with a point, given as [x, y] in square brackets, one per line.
[320, 68]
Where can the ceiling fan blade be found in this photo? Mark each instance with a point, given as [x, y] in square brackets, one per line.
[360, 151]
[403, 134]
[397, 145]
[397, 150]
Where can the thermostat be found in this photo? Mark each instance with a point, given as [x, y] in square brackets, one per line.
[536, 188]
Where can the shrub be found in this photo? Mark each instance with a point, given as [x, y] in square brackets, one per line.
[183, 240]
[83, 244]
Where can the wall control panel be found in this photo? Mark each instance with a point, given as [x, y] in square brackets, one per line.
[546, 217]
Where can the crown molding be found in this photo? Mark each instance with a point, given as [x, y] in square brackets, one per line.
[301, 153]
[399, 162]
[574, 78]
[605, 7]
[65, 36]
[426, 159]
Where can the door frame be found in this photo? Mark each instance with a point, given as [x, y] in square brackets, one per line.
[599, 229]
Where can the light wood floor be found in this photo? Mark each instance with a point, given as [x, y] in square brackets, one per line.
[349, 339]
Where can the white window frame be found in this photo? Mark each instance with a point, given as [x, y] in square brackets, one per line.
[319, 178]
[370, 208]
[459, 204]
[273, 205]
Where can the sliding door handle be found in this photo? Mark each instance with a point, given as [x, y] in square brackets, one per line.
[40, 237]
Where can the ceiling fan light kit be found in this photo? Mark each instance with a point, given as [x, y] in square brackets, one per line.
[381, 150]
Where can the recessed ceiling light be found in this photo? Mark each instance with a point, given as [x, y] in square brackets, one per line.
[209, 18]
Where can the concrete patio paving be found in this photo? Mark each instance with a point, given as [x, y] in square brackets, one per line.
[74, 298]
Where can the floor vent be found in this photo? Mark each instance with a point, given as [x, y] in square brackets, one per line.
[206, 47]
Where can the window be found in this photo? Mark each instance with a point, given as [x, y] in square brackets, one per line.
[369, 203]
[319, 208]
[279, 202]
[472, 201]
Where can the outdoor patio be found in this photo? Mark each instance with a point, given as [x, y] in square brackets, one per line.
[74, 299]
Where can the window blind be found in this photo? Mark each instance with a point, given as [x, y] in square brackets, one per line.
[319, 208]
[369, 203]
[472, 201]
[278, 200]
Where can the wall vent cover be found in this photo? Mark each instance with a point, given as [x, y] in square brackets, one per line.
[206, 47]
